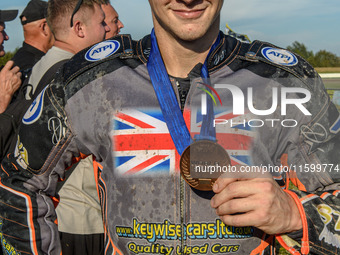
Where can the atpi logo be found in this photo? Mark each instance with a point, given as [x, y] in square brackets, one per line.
[279, 56]
[102, 50]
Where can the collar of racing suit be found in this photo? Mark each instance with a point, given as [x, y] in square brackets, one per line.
[224, 52]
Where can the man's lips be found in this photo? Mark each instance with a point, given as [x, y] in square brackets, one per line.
[189, 14]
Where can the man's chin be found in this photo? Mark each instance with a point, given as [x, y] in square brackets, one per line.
[191, 36]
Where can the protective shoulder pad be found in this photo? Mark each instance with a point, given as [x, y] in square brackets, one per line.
[278, 57]
[118, 46]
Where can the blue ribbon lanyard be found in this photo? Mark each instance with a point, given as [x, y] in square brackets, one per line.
[168, 101]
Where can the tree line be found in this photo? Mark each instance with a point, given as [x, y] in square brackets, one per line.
[322, 58]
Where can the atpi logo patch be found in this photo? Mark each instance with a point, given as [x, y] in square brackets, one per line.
[279, 56]
[34, 111]
[102, 50]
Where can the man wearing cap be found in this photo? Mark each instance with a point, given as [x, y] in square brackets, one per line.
[75, 27]
[37, 34]
[9, 76]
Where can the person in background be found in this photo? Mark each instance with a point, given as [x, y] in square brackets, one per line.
[9, 75]
[10, 81]
[112, 20]
[79, 213]
[5, 16]
[80, 223]
[38, 38]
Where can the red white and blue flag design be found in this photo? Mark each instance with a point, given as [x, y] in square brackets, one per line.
[143, 145]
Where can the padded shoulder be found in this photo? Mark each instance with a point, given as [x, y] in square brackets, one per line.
[120, 46]
[277, 57]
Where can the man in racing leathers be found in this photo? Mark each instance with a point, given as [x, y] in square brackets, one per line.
[106, 102]
[78, 211]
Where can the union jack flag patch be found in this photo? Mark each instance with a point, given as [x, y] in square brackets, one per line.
[143, 145]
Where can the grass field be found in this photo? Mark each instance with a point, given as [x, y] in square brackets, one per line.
[328, 69]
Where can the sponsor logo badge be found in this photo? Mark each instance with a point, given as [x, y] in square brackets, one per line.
[102, 50]
[34, 111]
[279, 56]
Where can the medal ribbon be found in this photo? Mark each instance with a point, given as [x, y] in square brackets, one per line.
[168, 102]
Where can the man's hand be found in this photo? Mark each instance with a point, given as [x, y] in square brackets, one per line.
[257, 202]
[10, 81]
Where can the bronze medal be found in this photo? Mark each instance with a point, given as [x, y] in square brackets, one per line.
[202, 163]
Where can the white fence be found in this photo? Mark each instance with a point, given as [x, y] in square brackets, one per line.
[330, 75]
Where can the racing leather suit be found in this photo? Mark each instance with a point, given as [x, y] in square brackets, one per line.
[106, 106]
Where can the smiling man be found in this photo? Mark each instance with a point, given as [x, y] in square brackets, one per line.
[145, 110]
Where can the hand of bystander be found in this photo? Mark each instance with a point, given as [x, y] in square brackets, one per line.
[10, 81]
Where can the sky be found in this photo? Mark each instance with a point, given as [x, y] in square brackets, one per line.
[314, 23]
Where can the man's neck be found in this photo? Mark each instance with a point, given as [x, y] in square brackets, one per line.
[179, 56]
[36, 44]
[65, 46]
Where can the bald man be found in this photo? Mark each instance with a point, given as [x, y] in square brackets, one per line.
[38, 36]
